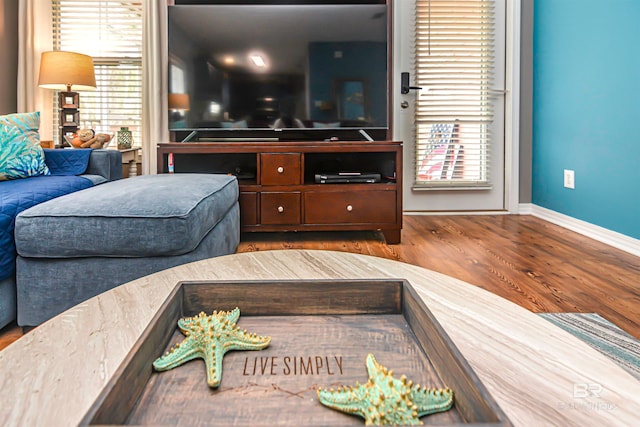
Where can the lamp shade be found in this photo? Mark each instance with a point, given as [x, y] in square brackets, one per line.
[178, 101]
[63, 70]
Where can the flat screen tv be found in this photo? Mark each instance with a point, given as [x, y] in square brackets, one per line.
[305, 70]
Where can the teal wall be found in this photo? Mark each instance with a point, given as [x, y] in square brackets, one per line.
[586, 110]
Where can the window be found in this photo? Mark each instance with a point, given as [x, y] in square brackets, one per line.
[110, 31]
[454, 111]
[177, 82]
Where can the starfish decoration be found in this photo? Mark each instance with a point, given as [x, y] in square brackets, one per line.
[209, 338]
[385, 400]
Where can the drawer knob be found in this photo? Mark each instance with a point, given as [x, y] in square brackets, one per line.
[349, 208]
[280, 169]
[280, 209]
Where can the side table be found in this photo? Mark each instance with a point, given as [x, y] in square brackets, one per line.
[130, 156]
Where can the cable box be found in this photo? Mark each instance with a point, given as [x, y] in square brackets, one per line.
[346, 177]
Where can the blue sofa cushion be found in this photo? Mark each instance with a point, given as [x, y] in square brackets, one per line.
[67, 162]
[148, 215]
[20, 194]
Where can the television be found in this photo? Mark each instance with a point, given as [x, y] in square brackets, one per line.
[278, 70]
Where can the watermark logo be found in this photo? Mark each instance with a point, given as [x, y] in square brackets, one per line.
[591, 391]
[585, 390]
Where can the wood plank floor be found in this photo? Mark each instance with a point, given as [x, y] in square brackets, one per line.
[533, 263]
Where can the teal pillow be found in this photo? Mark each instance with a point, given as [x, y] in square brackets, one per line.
[21, 155]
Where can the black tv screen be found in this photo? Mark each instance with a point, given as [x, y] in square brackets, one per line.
[287, 71]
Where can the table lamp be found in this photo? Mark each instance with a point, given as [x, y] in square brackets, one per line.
[178, 103]
[62, 70]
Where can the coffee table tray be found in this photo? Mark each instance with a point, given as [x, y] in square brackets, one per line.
[321, 330]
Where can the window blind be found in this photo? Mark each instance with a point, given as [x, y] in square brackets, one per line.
[110, 31]
[454, 110]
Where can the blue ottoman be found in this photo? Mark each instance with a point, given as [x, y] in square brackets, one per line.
[79, 245]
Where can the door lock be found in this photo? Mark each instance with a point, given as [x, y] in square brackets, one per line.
[405, 87]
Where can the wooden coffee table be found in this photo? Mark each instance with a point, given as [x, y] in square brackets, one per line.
[537, 373]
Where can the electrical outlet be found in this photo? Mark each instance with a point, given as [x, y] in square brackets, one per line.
[569, 179]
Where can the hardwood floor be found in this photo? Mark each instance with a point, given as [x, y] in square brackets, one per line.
[533, 263]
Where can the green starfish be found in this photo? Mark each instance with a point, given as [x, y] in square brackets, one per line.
[209, 338]
[385, 400]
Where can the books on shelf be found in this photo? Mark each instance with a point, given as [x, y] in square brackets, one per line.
[346, 178]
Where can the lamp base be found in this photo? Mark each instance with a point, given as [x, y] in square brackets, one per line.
[69, 103]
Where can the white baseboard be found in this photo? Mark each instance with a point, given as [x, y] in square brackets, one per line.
[525, 209]
[604, 235]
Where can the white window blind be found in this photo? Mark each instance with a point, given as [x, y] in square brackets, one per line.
[110, 31]
[454, 110]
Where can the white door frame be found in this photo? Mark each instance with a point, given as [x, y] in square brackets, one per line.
[512, 108]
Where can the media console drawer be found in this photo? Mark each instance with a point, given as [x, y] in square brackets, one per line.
[280, 168]
[279, 208]
[349, 207]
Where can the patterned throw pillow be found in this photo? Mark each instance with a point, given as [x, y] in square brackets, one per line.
[21, 155]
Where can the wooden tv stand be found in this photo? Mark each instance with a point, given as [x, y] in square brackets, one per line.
[278, 191]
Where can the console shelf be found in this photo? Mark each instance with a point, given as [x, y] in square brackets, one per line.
[278, 191]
